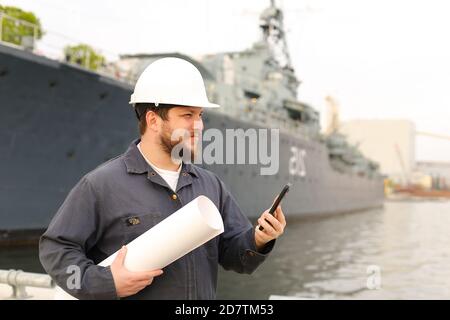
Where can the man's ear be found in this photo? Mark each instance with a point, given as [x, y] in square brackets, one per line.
[152, 120]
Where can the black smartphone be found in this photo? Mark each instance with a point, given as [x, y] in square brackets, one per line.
[278, 200]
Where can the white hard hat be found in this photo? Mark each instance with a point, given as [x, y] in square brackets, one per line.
[171, 81]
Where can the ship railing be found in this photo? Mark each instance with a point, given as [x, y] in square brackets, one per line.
[27, 41]
[19, 280]
[52, 45]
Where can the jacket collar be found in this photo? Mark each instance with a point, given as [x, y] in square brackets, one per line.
[135, 162]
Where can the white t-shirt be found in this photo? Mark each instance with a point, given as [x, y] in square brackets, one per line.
[171, 177]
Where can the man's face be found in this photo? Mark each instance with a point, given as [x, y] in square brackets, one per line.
[183, 126]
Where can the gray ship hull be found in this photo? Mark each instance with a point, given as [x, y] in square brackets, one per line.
[58, 122]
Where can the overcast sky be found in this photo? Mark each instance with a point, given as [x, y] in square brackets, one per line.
[378, 59]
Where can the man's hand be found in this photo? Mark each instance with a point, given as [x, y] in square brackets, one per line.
[128, 283]
[273, 227]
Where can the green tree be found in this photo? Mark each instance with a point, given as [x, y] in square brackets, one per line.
[84, 55]
[19, 25]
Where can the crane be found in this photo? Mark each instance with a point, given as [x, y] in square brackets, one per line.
[433, 135]
[402, 163]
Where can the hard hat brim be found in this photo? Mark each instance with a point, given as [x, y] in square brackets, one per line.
[212, 105]
[208, 105]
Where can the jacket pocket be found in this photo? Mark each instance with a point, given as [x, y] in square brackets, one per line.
[133, 225]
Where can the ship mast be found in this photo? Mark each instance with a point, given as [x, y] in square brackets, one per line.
[271, 23]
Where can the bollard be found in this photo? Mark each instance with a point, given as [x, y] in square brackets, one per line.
[19, 280]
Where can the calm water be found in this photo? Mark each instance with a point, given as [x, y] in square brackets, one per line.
[408, 244]
[402, 249]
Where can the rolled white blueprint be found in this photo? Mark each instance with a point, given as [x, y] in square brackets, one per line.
[186, 229]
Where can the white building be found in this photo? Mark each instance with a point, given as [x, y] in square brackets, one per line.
[391, 143]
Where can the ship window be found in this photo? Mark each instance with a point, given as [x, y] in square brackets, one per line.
[251, 95]
[296, 115]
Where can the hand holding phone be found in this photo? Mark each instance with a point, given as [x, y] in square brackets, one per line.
[278, 201]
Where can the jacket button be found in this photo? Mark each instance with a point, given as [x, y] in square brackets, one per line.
[152, 174]
[251, 253]
[174, 197]
[184, 174]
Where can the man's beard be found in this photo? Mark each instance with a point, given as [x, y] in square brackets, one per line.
[168, 145]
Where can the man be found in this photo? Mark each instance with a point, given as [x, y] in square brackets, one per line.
[124, 197]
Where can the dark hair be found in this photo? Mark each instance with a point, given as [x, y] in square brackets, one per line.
[141, 110]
